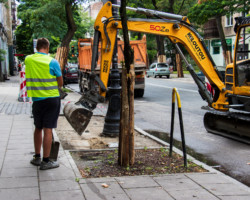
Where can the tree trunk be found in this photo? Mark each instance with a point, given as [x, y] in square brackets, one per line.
[131, 115]
[161, 57]
[62, 52]
[126, 138]
[179, 66]
[226, 53]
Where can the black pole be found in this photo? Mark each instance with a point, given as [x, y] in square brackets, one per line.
[172, 129]
[112, 119]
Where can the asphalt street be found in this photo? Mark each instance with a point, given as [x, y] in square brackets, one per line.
[153, 113]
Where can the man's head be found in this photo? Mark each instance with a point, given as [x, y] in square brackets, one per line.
[42, 45]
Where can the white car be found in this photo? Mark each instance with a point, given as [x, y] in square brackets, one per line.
[158, 69]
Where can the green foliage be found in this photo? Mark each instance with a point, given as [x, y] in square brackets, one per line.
[200, 13]
[179, 6]
[47, 18]
[2, 53]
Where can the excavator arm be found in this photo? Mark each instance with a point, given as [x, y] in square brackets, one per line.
[178, 29]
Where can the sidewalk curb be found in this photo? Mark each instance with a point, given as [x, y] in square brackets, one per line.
[205, 166]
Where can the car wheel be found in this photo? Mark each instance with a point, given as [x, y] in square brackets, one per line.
[139, 93]
[147, 76]
[154, 75]
[160, 76]
[168, 76]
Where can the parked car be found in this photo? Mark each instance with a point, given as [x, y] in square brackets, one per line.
[158, 69]
[70, 74]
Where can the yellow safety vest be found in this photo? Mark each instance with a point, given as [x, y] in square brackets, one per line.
[39, 81]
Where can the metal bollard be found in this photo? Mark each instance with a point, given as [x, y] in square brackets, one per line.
[176, 94]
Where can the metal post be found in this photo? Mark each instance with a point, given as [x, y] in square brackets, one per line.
[112, 119]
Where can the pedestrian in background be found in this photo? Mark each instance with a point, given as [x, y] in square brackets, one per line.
[43, 80]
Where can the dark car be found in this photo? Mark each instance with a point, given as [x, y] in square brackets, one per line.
[71, 74]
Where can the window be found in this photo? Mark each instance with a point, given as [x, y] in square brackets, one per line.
[216, 50]
[229, 20]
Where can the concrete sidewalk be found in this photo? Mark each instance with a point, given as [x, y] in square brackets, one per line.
[21, 180]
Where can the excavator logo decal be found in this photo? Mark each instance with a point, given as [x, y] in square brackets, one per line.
[105, 66]
[195, 46]
[158, 28]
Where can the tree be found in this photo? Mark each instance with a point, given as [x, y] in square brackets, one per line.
[126, 138]
[52, 19]
[206, 9]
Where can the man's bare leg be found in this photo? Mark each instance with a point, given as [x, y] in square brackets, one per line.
[38, 138]
[47, 140]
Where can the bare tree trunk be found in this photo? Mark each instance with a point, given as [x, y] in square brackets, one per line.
[161, 57]
[226, 53]
[123, 154]
[179, 66]
[62, 52]
[131, 115]
[126, 138]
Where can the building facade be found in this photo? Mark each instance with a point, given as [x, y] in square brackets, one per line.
[7, 27]
[211, 36]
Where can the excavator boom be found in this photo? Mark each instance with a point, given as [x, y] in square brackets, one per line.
[179, 31]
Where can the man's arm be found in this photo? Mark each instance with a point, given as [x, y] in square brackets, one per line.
[59, 81]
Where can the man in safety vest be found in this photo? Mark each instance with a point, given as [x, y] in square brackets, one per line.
[43, 79]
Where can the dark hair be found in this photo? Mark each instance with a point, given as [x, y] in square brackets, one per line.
[42, 43]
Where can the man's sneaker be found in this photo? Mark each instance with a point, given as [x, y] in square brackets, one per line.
[48, 165]
[36, 161]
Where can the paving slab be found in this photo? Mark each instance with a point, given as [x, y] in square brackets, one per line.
[200, 194]
[227, 189]
[20, 193]
[60, 173]
[63, 195]
[18, 182]
[95, 191]
[178, 184]
[18, 172]
[234, 197]
[208, 178]
[148, 194]
[137, 182]
[59, 185]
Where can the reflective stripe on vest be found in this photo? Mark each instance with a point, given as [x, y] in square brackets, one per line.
[39, 81]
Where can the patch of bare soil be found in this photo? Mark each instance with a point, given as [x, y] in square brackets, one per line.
[147, 162]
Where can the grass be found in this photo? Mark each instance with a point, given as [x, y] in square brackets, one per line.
[66, 90]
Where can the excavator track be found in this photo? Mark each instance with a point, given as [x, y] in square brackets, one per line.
[228, 124]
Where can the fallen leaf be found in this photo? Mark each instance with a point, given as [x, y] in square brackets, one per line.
[105, 185]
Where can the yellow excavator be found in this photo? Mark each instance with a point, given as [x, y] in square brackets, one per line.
[231, 88]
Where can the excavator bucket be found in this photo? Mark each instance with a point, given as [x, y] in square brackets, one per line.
[78, 116]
